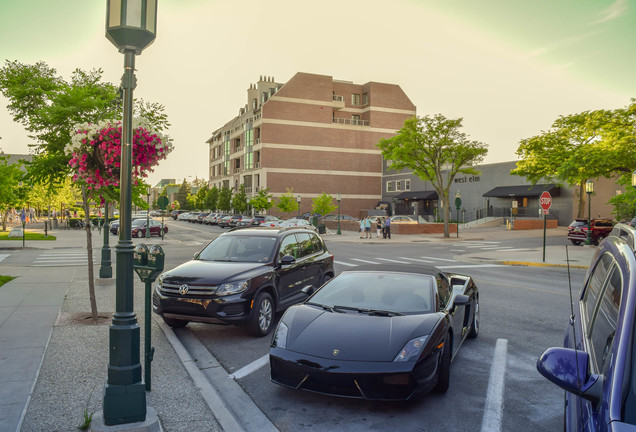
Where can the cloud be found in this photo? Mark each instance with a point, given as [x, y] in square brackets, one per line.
[561, 44]
[614, 11]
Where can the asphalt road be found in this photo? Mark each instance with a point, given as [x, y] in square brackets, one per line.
[494, 382]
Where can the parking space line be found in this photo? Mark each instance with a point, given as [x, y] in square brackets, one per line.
[491, 421]
[252, 367]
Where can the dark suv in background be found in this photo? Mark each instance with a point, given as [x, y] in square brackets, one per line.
[244, 277]
[577, 231]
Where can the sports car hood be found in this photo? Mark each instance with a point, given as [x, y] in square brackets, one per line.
[213, 272]
[357, 336]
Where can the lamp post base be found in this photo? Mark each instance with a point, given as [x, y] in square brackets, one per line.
[105, 269]
[124, 404]
[151, 424]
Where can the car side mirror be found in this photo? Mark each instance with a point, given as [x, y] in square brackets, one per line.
[309, 290]
[461, 300]
[568, 368]
[196, 255]
[287, 259]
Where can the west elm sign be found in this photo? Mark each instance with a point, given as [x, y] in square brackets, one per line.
[467, 179]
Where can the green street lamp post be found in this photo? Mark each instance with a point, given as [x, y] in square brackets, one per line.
[131, 27]
[339, 198]
[458, 204]
[105, 268]
[148, 213]
[589, 188]
[298, 201]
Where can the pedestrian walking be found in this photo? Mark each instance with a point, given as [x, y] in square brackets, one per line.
[361, 227]
[387, 228]
[367, 227]
[378, 226]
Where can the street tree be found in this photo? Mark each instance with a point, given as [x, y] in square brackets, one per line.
[287, 202]
[200, 196]
[182, 194]
[436, 150]
[239, 200]
[211, 198]
[262, 201]
[225, 200]
[572, 152]
[323, 204]
[10, 196]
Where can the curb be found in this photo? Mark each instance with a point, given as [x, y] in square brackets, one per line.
[536, 264]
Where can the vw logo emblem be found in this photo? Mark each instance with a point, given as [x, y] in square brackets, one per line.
[335, 352]
[183, 289]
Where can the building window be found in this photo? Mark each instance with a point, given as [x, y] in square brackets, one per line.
[390, 186]
[365, 99]
[398, 185]
[355, 99]
[407, 185]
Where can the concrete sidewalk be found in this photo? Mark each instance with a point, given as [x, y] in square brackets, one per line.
[54, 360]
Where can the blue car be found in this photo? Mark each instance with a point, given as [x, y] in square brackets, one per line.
[597, 364]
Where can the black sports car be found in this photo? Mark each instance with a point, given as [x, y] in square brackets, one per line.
[380, 332]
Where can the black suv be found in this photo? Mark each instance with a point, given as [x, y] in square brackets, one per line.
[244, 277]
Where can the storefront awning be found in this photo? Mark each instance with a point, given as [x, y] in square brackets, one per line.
[529, 191]
[417, 195]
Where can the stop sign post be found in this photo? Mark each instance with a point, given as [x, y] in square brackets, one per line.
[545, 201]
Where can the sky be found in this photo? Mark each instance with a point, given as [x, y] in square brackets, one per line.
[509, 68]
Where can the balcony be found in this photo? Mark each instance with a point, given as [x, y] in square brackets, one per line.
[257, 164]
[236, 170]
[354, 122]
[338, 102]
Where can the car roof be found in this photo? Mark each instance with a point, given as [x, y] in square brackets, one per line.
[396, 268]
[266, 231]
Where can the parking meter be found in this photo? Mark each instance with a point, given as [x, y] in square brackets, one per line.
[148, 264]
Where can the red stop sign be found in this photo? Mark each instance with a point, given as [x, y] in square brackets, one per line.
[546, 200]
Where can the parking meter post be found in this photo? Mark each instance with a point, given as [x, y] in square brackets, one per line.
[148, 263]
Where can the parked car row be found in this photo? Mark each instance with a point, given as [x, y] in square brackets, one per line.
[404, 323]
[139, 225]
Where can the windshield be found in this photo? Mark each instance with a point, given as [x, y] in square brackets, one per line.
[139, 222]
[239, 249]
[374, 291]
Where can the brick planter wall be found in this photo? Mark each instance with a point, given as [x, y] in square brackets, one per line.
[528, 224]
[426, 228]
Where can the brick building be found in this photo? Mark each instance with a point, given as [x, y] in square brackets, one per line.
[313, 134]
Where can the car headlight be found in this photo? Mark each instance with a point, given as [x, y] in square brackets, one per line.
[232, 288]
[411, 350]
[280, 337]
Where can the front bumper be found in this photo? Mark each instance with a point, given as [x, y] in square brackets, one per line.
[354, 379]
[228, 309]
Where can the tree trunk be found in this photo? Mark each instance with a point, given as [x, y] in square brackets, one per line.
[446, 213]
[89, 248]
[580, 214]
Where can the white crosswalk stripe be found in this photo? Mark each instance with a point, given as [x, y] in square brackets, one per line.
[393, 261]
[418, 260]
[3, 256]
[364, 261]
[64, 259]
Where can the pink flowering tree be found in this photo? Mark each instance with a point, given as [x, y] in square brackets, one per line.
[95, 161]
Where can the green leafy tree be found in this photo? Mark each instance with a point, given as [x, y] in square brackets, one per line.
[182, 194]
[191, 201]
[211, 198]
[571, 152]
[323, 204]
[225, 200]
[49, 107]
[239, 200]
[200, 197]
[436, 150]
[262, 201]
[287, 202]
[10, 197]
